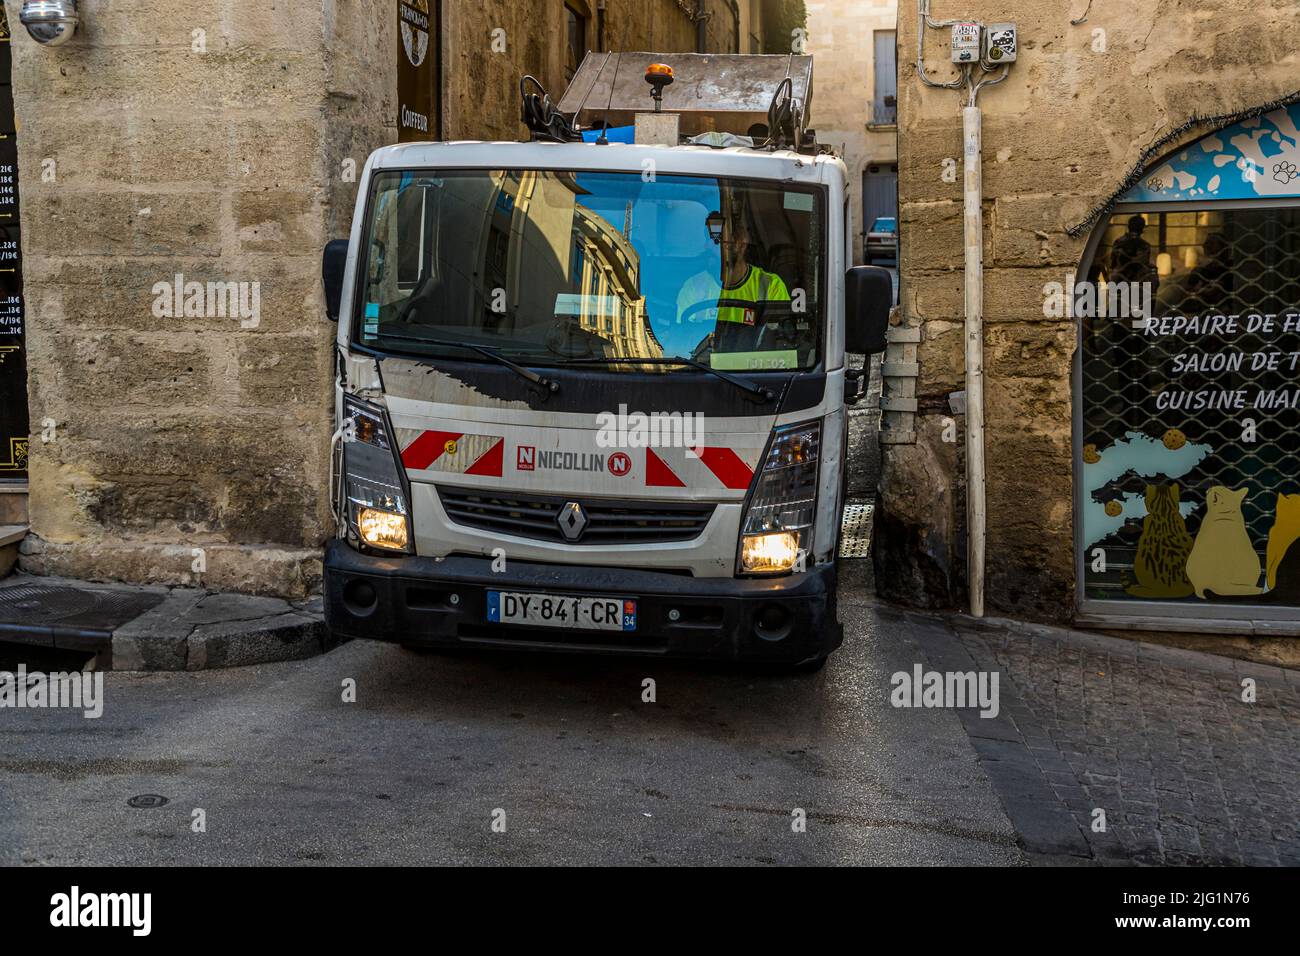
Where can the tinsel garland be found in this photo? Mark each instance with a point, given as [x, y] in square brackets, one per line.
[1140, 168]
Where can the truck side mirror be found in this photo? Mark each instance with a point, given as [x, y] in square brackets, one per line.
[868, 296]
[332, 265]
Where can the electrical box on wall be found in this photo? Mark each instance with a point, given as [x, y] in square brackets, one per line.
[1000, 43]
[965, 42]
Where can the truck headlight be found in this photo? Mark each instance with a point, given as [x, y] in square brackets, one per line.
[378, 515]
[778, 523]
[382, 529]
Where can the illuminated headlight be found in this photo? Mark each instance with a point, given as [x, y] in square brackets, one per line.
[778, 523]
[382, 529]
[378, 515]
[769, 553]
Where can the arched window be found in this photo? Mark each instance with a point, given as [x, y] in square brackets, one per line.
[1187, 421]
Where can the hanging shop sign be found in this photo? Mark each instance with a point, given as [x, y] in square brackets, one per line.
[416, 79]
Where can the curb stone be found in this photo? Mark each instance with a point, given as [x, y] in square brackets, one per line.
[196, 630]
[188, 629]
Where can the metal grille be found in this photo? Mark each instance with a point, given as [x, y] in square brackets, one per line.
[1230, 262]
[609, 522]
[33, 608]
[855, 531]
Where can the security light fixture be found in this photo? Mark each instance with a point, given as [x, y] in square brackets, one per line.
[49, 22]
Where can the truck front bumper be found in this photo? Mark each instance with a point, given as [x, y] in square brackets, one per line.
[443, 603]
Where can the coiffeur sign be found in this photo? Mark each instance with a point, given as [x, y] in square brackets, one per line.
[415, 75]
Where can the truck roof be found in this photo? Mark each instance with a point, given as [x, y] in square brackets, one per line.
[732, 161]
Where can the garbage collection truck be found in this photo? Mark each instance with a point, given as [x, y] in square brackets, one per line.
[592, 385]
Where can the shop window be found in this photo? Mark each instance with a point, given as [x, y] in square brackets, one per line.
[1189, 415]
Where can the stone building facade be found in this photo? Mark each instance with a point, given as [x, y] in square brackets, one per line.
[855, 109]
[1103, 95]
[219, 142]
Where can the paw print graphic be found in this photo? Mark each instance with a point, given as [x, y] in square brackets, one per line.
[1155, 184]
[1285, 171]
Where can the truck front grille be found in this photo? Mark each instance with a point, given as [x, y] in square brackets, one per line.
[609, 521]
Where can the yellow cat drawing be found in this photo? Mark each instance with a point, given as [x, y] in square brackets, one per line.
[1223, 561]
[1285, 531]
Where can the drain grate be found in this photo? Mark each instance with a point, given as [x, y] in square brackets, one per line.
[855, 531]
[54, 609]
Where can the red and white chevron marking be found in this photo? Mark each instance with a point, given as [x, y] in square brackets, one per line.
[697, 468]
[455, 453]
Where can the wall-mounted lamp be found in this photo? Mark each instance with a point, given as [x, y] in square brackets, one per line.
[714, 221]
[50, 22]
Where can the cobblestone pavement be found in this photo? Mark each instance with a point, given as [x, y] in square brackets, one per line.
[1160, 739]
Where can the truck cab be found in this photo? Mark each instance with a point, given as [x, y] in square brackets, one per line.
[592, 395]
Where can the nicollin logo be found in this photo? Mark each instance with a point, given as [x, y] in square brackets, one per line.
[619, 464]
[528, 458]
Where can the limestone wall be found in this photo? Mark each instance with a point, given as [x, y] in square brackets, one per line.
[841, 38]
[1059, 136]
[218, 140]
[483, 80]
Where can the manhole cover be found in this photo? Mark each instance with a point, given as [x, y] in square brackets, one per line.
[147, 800]
[855, 531]
[57, 607]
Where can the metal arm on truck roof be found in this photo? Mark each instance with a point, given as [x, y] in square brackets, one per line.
[764, 96]
[541, 117]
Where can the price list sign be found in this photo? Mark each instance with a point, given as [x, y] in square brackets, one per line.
[13, 352]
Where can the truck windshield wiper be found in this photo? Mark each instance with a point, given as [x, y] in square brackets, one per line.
[766, 394]
[491, 353]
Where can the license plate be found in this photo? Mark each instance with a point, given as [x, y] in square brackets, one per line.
[561, 610]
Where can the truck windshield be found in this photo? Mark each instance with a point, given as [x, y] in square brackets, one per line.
[549, 266]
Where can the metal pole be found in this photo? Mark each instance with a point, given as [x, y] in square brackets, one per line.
[973, 190]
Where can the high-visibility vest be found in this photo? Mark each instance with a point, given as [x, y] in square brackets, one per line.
[737, 303]
[740, 303]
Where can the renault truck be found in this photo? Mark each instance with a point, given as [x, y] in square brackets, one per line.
[592, 386]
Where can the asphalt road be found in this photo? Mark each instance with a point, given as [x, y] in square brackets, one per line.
[584, 770]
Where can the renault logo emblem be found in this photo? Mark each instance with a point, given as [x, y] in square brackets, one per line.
[572, 520]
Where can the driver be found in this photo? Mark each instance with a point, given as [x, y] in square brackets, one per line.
[736, 301]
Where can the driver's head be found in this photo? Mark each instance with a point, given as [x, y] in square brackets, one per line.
[729, 231]
[735, 238]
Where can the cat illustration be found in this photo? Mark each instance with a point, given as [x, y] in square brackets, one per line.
[1283, 556]
[1163, 549]
[1284, 533]
[1286, 590]
[1223, 561]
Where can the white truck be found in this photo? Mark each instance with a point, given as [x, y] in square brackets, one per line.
[592, 387]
